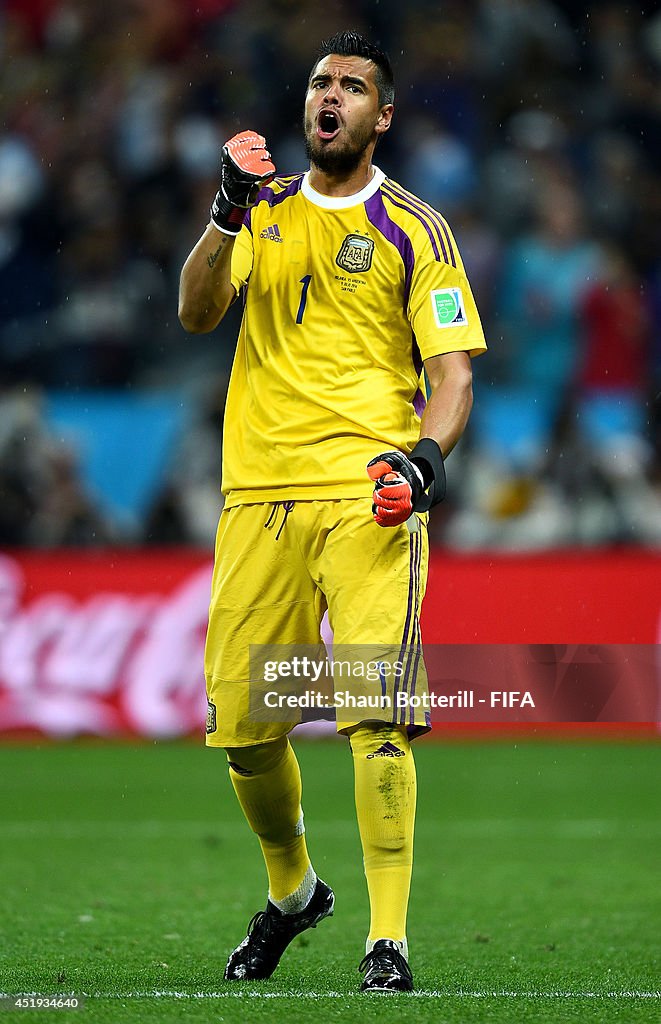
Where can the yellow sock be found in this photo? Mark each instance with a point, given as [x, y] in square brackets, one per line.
[385, 806]
[267, 782]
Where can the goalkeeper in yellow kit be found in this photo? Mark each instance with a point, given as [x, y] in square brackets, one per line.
[354, 298]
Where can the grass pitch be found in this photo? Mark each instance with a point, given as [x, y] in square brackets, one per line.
[128, 873]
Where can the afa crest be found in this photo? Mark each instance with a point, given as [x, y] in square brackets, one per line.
[211, 716]
[355, 254]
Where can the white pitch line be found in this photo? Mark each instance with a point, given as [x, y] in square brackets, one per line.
[496, 827]
[297, 994]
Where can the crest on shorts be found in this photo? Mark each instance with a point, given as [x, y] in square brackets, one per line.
[211, 716]
[355, 254]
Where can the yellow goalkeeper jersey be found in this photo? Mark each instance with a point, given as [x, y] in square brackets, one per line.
[343, 300]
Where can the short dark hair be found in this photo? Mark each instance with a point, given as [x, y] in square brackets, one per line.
[352, 44]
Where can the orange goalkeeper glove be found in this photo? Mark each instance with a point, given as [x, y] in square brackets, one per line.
[401, 482]
[245, 166]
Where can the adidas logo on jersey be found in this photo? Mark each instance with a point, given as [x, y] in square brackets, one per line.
[272, 232]
[387, 750]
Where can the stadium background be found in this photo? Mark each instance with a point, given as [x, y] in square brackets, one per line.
[534, 127]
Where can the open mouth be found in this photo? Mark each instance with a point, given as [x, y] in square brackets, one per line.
[328, 125]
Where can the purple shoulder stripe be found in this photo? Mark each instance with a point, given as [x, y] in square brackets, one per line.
[407, 201]
[267, 194]
[433, 238]
[430, 212]
[377, 215]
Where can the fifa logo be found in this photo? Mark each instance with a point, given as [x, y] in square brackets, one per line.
[355, 254]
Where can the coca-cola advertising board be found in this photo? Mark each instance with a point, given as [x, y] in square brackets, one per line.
[111, 643]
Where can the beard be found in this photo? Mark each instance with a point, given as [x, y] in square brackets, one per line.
[339, 156]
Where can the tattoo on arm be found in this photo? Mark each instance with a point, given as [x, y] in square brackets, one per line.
[213, 256]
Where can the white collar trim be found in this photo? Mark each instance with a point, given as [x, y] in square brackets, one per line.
[342, 202]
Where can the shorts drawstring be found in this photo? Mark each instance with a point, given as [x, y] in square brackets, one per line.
[287, 506]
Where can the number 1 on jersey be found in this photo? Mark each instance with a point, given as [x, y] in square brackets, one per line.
[305, 281]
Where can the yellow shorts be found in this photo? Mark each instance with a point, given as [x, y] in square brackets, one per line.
[278, 569]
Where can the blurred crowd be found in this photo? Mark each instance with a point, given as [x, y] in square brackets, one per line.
[533, 125]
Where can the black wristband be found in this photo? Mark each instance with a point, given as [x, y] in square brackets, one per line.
[427, 456]
[227, 217]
